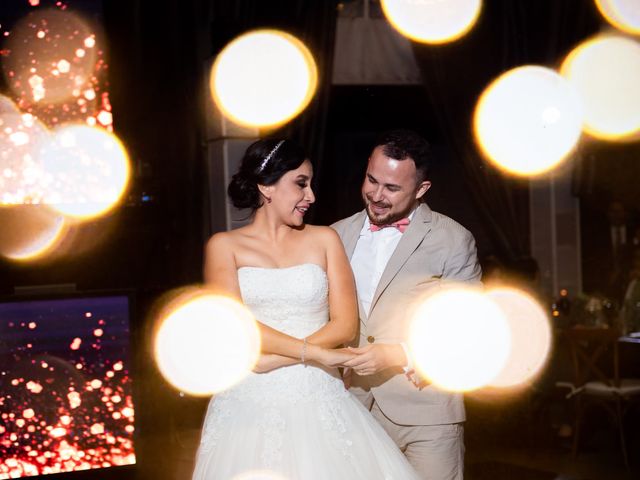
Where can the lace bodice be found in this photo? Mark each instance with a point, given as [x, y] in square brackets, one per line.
[292, 300]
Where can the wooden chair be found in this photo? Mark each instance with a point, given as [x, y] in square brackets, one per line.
[596, 365]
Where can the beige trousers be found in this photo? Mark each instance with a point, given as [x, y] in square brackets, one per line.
[435, 451]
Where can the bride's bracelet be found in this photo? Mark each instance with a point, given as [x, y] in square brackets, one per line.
[304, 351]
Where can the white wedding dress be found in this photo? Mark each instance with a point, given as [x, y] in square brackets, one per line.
[297, 422]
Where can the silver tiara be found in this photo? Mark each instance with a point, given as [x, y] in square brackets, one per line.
[268, 157]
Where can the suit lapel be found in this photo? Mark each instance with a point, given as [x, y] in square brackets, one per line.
[420, 226]
[351, 235]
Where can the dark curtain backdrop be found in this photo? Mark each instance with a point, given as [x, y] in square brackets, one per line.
[508, 34]
[156, 51]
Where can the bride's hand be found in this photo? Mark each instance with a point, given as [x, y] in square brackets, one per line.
[334, 357]
[268, 361]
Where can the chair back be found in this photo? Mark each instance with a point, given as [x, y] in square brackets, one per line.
[594, 354]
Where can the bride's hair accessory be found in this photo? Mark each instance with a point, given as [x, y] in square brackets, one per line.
[268, 157]
[304, 350]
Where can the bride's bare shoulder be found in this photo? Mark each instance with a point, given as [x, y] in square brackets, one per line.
[321, 233]
[218, 239]
[228, 237]
[222, 244]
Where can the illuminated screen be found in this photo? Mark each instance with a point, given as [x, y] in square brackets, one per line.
[65, 385]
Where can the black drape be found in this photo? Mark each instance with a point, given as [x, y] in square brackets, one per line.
[508, 34]
[156, 51]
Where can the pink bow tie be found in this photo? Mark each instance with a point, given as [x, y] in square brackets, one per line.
[401, 225]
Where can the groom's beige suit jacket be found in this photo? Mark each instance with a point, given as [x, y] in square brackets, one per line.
[434, 250]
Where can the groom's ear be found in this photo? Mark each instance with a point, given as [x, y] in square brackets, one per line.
[422, 189]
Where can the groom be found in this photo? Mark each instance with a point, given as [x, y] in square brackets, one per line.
[400, 249]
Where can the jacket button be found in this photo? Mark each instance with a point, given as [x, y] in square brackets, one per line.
[371, 339]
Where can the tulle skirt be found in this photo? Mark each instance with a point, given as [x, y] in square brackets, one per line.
[324, 433]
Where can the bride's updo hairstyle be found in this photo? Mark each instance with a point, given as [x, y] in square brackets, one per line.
[264, 163]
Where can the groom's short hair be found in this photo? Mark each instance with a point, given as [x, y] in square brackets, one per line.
[401, 144]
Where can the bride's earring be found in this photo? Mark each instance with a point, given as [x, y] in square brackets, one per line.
[263, 191]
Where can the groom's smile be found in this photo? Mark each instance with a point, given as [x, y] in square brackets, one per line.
[379, 209]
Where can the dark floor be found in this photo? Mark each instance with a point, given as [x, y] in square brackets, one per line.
[519, 438]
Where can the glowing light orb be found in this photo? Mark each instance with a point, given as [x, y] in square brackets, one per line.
[42, 55]
[530, 336]
[30, 232]
[263, 78]
[622, 14]
[86, 171]
[206, 343]
[21, 137]
[528, 120]
[429, 21]
[606, 72]
[459, 339]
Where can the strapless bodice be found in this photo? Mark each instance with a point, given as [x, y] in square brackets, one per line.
[292, 300]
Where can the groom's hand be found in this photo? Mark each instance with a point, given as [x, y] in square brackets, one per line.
[375, 358]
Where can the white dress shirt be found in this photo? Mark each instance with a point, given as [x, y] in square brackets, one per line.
[369, 259]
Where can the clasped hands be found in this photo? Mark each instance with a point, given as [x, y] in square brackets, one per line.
[375, 358]
[372, 358]
[366, 360]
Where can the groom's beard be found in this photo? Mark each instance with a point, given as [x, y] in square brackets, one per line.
[385, 218]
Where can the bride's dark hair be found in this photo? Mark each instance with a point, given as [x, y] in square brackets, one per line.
[264, 163]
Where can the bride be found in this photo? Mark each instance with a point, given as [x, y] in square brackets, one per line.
[292, 416]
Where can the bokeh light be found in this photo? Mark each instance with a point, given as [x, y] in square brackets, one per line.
[622, 14]
[528, 120]
[206, 343]
[49, 58]
[29, 231]
[459, 339]
[85, 171]
[263, 78]
[21, 137]
[432, 22]
[530, 336]
[606, 72]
